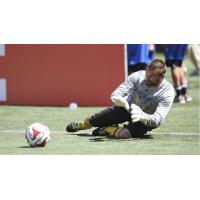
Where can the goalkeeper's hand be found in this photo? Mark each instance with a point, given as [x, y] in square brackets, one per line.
[138, 115]
[120, 101]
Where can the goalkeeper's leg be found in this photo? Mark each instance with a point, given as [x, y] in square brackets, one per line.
[113, 131]
[105, 118]
[136, 129]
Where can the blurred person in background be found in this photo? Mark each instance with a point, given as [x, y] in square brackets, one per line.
[174, 55]
[139, 56]
[194, 55]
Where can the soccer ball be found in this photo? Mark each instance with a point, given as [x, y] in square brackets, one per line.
[37, 135]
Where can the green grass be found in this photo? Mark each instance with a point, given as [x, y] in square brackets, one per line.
[13, 127]
[182, 119]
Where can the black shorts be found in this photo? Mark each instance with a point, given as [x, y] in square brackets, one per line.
[174, 63]
[117, 115]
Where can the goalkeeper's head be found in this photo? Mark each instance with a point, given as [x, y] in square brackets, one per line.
[155, 72]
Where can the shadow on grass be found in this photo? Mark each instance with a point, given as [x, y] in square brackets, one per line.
[106, 138]
[99, 139]
[84, 135]
[145, 137]
[28, 147]
[102, 139]
[25, 147]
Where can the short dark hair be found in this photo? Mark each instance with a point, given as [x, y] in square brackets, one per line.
[159, 65]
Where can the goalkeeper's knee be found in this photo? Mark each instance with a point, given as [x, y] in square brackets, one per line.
[123, 133]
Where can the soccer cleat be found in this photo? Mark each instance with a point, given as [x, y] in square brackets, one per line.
[73, 126]
[99, 132]
[180, 99]
[188, 97]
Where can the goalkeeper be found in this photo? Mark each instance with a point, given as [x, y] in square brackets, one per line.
[143, 101]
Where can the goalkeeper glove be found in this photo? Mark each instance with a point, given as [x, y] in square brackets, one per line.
[138, 115]
[120, 101]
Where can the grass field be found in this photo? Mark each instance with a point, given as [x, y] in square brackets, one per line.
[179, 134]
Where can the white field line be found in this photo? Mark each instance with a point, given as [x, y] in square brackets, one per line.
[59, 131]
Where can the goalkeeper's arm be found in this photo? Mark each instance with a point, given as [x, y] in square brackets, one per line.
[118, 96]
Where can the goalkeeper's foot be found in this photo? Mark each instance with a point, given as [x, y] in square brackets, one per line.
[103, 130]
[99, 132]
[74, 126]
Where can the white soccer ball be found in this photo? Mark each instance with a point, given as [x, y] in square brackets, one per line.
[37, 135]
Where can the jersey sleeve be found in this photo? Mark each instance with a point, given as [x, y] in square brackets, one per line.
[162, 110]
[125, 88]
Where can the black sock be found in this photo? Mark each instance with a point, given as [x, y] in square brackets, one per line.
[184, 89]
[178, 90]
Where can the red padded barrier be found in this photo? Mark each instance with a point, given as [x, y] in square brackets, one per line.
[42, 74]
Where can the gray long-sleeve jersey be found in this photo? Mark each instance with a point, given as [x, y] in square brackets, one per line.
[155, 101]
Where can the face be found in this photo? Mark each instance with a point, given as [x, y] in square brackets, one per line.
[153, 78]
